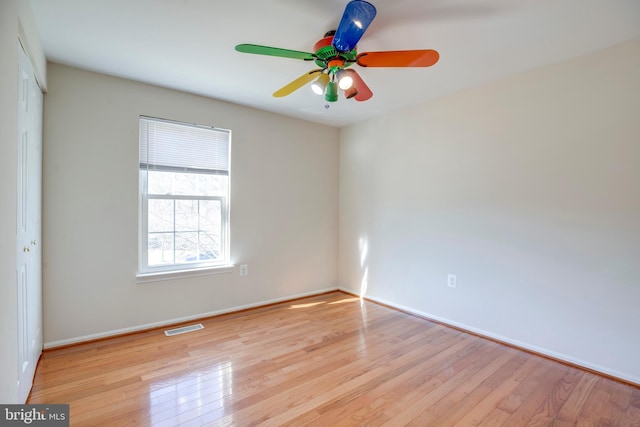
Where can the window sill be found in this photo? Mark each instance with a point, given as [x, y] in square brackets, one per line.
[179, 274]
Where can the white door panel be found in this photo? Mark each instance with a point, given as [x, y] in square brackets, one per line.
[29, 218]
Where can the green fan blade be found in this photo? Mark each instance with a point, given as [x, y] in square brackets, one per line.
[274, 51]
[297, 83]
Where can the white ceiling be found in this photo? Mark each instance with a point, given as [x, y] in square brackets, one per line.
[189, 44]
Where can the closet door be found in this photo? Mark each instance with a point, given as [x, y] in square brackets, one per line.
[29, 220]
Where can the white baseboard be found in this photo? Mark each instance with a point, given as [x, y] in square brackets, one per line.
[519, 344]
[138, 328]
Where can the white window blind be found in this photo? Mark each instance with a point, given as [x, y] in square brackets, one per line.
[177, 147]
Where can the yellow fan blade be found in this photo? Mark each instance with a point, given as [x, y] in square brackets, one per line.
[297, 83]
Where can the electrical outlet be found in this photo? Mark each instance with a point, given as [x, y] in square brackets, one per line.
[244, 269]
[451, 280]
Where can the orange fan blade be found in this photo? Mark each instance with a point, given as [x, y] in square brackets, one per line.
[398, 58]
[363, 91]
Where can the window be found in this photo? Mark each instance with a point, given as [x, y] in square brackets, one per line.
[184, 196]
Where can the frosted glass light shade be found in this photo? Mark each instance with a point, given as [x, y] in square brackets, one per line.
[320, 84]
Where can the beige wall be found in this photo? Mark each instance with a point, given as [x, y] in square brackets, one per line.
[284, 207]
[16, 22]
[528, 190]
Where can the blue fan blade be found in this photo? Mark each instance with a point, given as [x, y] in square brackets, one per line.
[356, 19]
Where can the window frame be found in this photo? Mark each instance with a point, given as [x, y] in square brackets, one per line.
[147, 273]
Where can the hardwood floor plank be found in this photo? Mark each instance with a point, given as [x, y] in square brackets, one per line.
[337, 410]
[473, 392]
[536, 396]
[453, 380]
[326, 360]
[593, 408]
[347, 380]
[632, 414]
[395, 391]
[493, 396]
[574, 403]
[444, 411]
[619, 400]
[496, 418]
[556, 398]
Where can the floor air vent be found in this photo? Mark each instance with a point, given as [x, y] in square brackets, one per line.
[183, 330]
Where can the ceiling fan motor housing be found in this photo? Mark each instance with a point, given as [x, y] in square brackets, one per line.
[325, 53]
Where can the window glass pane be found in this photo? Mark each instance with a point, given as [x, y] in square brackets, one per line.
[186, 247]
[184, 231]
[160, 249]
[186, 215]
[161, 216]
[186, 184]
[209, 247]
[217, 185]
[210, 229]
[159, 182]
[210, 215]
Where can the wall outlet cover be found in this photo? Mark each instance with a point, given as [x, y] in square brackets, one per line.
[451, 280]
[244, 269]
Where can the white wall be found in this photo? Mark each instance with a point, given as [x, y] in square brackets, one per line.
[284, 207]
[528, 190]
[16, 21]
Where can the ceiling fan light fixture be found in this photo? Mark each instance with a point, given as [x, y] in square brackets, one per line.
[351, 92]
[320, 84]
[331, 94]
[345, 81]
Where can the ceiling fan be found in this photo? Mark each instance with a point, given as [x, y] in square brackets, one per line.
[336, 52]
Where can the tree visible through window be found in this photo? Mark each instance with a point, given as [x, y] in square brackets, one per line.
[184, 196]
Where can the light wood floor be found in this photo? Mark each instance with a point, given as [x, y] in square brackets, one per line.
[329, 360]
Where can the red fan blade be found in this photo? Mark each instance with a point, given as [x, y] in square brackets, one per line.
[364, 92]
[398, 58]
